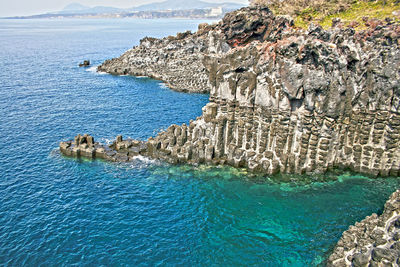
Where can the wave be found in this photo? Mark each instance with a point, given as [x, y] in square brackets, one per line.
[93, 69]
[164, 86]
[106, 141]
[144, 159]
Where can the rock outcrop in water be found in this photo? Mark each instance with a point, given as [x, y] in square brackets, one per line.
[119, 151]
[375, 241]
[281, 99]
[85, 63]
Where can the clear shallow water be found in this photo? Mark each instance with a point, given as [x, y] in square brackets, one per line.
[59, 211]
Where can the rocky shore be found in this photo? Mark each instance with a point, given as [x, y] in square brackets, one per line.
[375, 241]
[178, 60]
[282, 100]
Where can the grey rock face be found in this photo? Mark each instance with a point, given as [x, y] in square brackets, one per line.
[373, 241]
[281, 99]
[306, 101]
[172, 60]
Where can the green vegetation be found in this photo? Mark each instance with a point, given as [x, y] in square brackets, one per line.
[354, 13]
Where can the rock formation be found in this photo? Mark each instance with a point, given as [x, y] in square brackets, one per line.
[177, 60]
[119, 151]
[85, 63]
[282, 99]
[375, 241]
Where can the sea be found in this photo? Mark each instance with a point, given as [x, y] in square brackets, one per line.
[58, 211]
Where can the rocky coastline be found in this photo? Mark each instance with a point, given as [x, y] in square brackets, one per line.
[375, 241]
[178, 60]
[282, 100]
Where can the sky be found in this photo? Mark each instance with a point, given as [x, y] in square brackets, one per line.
[33, 7]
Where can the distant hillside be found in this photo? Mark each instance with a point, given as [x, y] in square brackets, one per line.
[185, 4]
[167, 9]
[76, 8]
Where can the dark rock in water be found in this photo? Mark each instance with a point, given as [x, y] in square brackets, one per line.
[85, 63]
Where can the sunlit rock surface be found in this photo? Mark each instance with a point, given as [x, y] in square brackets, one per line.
[281, 99]
[375, 241]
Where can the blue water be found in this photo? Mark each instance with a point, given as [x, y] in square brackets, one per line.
[56, 211]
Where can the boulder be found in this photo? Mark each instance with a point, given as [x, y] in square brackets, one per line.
[85, 63]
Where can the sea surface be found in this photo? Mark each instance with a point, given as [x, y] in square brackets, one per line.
[57, 211]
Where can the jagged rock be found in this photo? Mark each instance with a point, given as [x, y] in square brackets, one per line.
[178, 60]
[359, 242]
[119, 151]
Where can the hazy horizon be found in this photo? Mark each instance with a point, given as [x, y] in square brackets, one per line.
[28, 7]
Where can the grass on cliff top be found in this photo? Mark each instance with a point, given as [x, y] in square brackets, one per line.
[350, 12]
[355, 15]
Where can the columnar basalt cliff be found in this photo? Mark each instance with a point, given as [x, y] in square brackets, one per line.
[375, 241]
[281, 99]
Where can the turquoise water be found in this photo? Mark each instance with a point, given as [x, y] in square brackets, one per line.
[56, 211]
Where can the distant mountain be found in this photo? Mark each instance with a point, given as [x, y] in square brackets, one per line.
[184, 5]
[166, 9]
[76, 8]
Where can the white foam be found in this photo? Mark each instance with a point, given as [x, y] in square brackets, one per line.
[144, 159]
[164, 86]
[106, 141]
[93, 69]
[140, 162]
